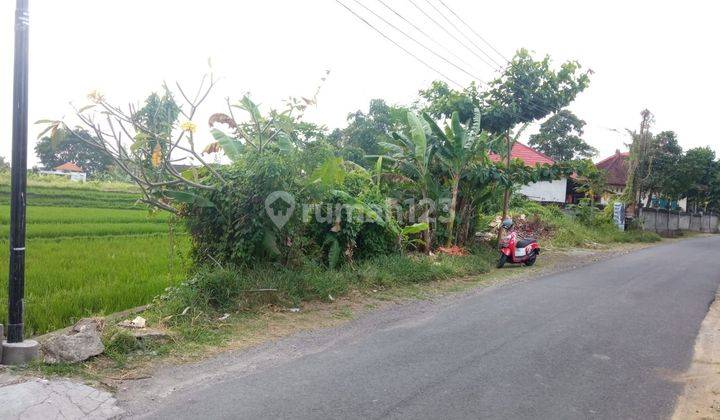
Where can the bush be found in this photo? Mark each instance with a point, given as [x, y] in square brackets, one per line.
[587, 226]
[237, 231]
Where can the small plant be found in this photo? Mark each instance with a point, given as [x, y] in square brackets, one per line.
[119, 344]
[585, 212]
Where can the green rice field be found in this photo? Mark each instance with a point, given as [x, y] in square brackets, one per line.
[90, 251]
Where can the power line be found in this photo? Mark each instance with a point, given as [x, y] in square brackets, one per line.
[451, 35]
[463, 34]
[530, 105]
[417, 42]
[417, 28]
[473, 31]
[398, 45]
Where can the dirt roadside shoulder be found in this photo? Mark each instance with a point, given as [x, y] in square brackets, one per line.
[701, 396]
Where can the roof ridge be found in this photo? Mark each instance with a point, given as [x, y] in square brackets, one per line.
[536, 151]
[623, 154]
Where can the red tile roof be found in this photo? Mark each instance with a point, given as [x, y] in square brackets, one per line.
[68, 167]
[527, 154]
[616, 168]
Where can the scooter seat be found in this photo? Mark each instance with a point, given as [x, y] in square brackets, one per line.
[525, 242]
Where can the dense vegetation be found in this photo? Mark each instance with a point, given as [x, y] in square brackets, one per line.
[400, 179]
[297, 213]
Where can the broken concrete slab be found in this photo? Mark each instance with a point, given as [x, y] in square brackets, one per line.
[148, 335]
[43, 399]
[83, 341]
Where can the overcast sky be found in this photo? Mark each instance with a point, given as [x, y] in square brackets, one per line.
[656, 54]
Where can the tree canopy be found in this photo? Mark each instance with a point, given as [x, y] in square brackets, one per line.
[529, 90]
[366, 130]
[67, 146]
[560, 137]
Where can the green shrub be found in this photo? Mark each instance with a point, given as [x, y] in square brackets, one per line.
[119, 342]
[214, 289]
[586, 226]
[237, 230]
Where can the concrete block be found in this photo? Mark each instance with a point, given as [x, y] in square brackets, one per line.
[20, 353]
[55, 399]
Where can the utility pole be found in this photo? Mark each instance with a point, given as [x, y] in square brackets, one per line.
[15, 350]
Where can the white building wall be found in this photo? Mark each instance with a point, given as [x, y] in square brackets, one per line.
[73, 176]
[546, 191]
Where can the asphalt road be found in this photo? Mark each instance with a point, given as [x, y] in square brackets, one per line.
[606, 340]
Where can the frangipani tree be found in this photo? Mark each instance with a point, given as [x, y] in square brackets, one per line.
[147, 143]
[150, 143]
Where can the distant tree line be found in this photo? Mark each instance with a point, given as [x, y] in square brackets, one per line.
[659, 168]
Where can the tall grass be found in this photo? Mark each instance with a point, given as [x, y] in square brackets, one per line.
[71, 278]
[213, 288]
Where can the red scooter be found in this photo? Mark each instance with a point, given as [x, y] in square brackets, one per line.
[524, 251]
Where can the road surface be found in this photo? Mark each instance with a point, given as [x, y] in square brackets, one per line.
[607, 340]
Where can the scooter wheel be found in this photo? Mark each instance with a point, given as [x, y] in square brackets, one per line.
[531, 261]
[501, 261]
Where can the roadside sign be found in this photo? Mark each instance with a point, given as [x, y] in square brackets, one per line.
[619, 215]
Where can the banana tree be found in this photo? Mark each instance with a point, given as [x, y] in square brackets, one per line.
[457, 148]
[414, 153]
[592, 180]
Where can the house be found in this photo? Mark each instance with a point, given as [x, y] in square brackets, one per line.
[544, 191]
[616, 168]
[69, 170]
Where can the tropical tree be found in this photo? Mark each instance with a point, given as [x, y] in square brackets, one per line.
[592, 180]
[457, 149]
[366, 130]
[662, 179]
[67, 146]
[526, 91]
[640, 162]
[440, 101]
[560, 137]
[148, 143]
[414, 153]
[698, 173]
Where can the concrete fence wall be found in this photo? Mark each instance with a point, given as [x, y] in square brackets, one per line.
[669, 222]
